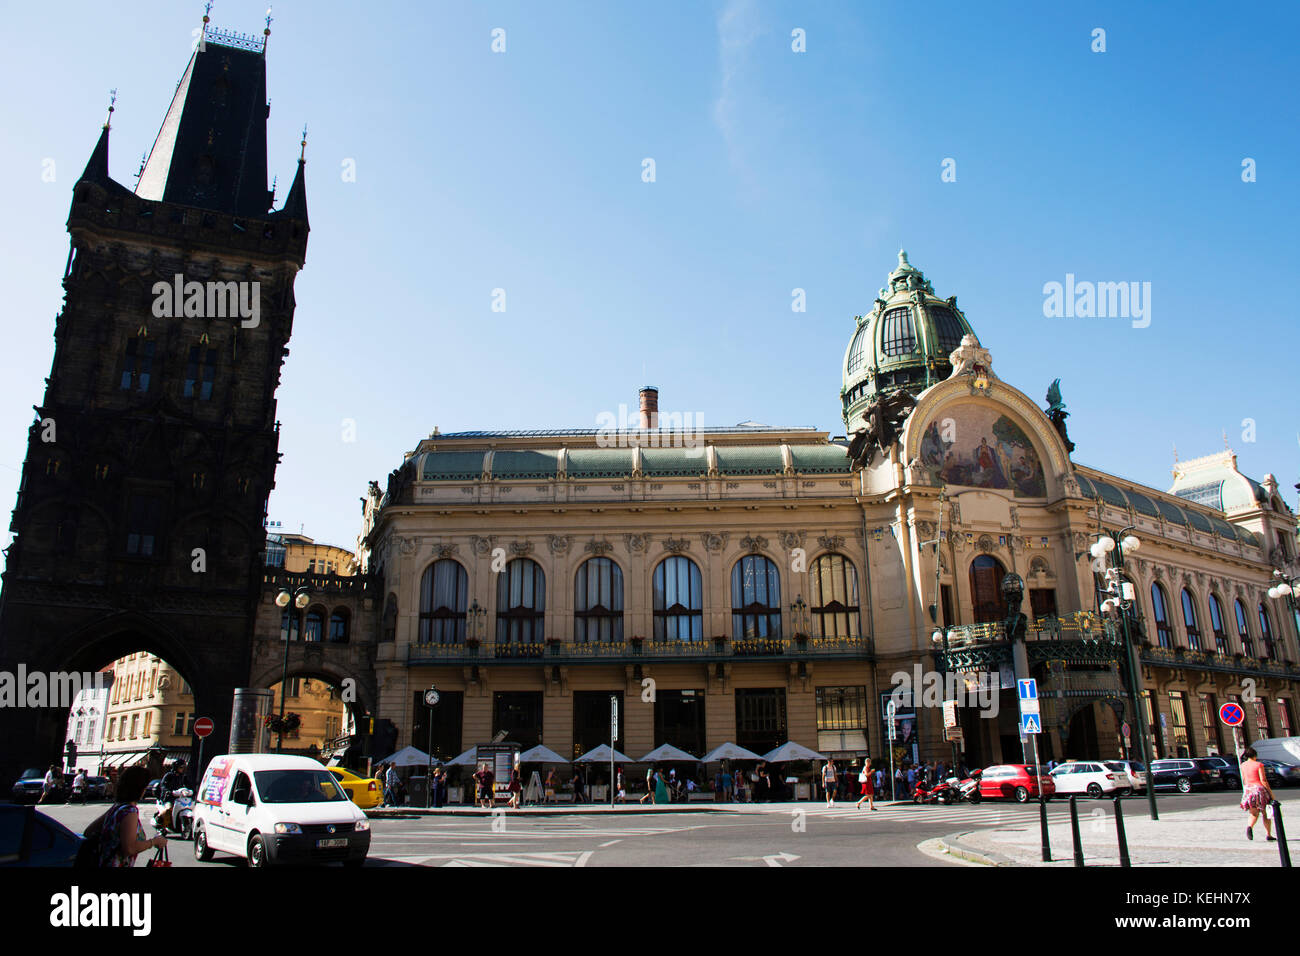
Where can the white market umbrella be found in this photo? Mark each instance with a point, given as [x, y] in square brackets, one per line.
[408, 757]
[729, 751]
[792, 751]
[601, 754]
[668, 754]
[467, 759]
[540, 754]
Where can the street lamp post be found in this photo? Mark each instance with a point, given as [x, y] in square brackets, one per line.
[1286, 587]
[300, 598]
[940, 635]
[431, 698]
[1121, 598]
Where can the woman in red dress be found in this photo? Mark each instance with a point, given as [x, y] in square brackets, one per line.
[868, 780]
[1258, 794]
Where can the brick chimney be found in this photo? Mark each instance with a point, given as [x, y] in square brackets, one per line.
[649, 396]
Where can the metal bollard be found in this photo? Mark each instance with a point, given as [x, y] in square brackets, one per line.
[1282, 850]
[1123, 839]
[1042, 827]
[1074, 831]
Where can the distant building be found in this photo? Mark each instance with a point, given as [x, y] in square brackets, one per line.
[150, 713]
[87, 720]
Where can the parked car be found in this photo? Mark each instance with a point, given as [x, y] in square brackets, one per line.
[1185, 774]
[1135, 771]
[30, 838]
[1016, 781]
[365, 792]
[27, 788]
[1228, 767]
[1281, 774]
[1089, 776]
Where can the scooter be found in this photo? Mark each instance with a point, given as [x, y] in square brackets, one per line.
[968, 789]
[941, 792]
[177, 814]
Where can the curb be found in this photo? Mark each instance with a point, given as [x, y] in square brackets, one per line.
[950, 845]
[410, 813]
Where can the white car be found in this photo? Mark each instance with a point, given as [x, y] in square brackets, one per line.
[1135, 771]
[1091, 777]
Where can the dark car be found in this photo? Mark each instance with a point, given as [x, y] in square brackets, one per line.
[1281, 774]
[96, 788]
[30, 838]
[1228, 767]
[28, 788]
[1185, 774]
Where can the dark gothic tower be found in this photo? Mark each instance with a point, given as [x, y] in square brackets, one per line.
[139, 520]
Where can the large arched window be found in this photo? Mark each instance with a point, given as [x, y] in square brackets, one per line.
[1160, 610]
[521, 603]
[314, 629]
[1216, 622]
[1243, 629]
[1189, 621]
[1266, 632]
[835, 597]
[755, 599]
[678, 600]
[986, 575]
[598, 602]
[444, 591]
[339, 626]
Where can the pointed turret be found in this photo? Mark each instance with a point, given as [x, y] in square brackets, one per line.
[295, 204]
[96, 170]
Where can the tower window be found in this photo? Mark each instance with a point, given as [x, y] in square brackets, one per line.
[947, 330]
[200, 371]
[898, 336]
[144, 516]
[138, 367]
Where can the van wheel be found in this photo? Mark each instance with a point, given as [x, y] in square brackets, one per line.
[257, 851]
[202, 852]
[1094, 790]
[1184, 785]
[1022, 794]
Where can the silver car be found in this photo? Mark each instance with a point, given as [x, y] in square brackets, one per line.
[1135, 772]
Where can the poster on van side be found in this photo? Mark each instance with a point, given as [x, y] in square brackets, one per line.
[216, 781]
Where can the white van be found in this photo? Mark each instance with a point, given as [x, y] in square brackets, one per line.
[270, 808]
[1281, 749]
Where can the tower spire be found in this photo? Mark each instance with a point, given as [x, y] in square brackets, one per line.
[266, 34]
[112, 105]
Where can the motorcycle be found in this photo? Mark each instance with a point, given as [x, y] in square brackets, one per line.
[968, 789]
[941, 792]
[176, 814]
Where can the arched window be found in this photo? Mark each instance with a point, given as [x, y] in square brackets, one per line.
[521, 603]
[1266, 632]
[678, 600]
[835, 597]
[1243, 629]
[1216, 622]
[897, 336]
[598, 602]
[1189, 621]
[1160, 610]
[755, 599]
[289, 625]
[444, 590]
[389, 632]
[315, 626]
[339, 626]
[986, 575]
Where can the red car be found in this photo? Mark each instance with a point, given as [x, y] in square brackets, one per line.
[1014, 781]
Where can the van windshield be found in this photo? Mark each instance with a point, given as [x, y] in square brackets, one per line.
[297, 786]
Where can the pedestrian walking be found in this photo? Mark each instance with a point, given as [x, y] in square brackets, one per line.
[117, 837]
[621, 786]
[79, 785]
[550, 785]
[880, 780]
[649, 786]
[1258, 793]
[728, 785]
[868, 781]
[579, 785]
[899, 781]
[515, 788]
[51, 785]
[829, 782]
[911, 779]
[391, 784]
[661, 789]
[739, 785]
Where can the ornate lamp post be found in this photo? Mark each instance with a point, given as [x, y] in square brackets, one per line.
[1286, 588]
[300, 598]
[1121, 598]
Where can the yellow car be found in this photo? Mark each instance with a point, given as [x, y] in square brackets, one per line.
[366, 794]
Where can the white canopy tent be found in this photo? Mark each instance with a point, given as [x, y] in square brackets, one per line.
[539, 754]
[792, 751]
[601, 755]
[467, 759]
[729, 751]
[668, 754]
[408, 757]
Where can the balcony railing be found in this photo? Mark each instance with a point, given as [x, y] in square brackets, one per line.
[798, 648]
[319, 584]
[1081, 626]
[1211, 661]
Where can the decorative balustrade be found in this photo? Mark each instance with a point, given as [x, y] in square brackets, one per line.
[320, 584]
[633, 651]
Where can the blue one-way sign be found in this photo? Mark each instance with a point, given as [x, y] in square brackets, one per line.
[1030, 724]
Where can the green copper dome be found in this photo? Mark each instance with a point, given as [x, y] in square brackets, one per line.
[904, 343]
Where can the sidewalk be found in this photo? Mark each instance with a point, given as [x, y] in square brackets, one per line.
[597, 809]
[1214, 836]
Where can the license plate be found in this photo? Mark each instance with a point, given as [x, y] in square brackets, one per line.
[332, 844]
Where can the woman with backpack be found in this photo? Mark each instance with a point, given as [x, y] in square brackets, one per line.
[117, 837]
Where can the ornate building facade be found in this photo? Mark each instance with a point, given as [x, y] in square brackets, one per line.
[759, 585]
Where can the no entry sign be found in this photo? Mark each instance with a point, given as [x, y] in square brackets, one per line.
[1231, 714]
[203, 726]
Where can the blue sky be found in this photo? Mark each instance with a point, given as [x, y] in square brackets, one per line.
[775, 170]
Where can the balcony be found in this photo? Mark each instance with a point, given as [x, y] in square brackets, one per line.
[1186, 658]
[1082, 637]
[362, 585]
[640, 652]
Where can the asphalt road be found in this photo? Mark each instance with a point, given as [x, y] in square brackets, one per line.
[791, 834]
